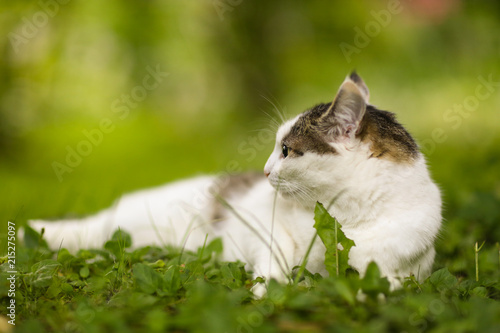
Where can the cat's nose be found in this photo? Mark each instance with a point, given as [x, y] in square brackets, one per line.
[267, 173]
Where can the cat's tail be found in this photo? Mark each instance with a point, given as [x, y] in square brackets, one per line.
[74, 234]
[177, 214]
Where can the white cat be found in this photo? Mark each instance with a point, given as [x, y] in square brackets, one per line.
[346, 154]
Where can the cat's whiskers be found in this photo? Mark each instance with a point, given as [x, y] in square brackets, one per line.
[277, 110]
[297, 191]
[268, 123]
[274, 124]
[304, 194]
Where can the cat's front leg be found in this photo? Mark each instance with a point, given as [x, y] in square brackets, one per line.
[269, 269]
[272, 265]
[392, 262]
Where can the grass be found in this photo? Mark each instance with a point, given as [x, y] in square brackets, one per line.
[117, 289]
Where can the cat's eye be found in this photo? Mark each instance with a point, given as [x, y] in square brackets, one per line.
[286, 150]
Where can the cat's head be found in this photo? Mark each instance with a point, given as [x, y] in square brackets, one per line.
[323, 150]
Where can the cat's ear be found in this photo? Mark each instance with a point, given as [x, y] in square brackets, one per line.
[343, 119]
[361, 85]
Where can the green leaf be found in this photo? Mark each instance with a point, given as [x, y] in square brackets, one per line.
[157, 264]
[214, 246]
[96, 284]
[147, 279]
[85, 254]
[443, 279]
[331, 235]
[303, 301]
[84, 271]
[205, 253]
[32, 239]
[172, 280]
[67, 288]
[138, 254]
[63, 256]
[276, 292]
[344, 290]
[480, 291]
[53, 290]
[372, 283]
[232, 275]
[122, 237]
[192, 272]
[100, 253]
[43, 272]
[213, 273]
[118, 243]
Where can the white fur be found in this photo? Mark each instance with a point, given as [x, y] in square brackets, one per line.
[392, 211]
[158, 216]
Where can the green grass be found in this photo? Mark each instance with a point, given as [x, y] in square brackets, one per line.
[116, 289]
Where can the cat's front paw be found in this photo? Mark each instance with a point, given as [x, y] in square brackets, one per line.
[259, 290]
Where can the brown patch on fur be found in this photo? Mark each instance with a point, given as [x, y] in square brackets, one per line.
[305, 135]
[230, 185]
[388, 138]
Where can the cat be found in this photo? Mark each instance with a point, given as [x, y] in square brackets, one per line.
[354, 158]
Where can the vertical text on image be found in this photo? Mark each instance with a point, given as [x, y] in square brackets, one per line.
[11, 260]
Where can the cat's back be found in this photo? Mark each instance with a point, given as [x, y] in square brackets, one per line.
[201, 201]
[233, 190]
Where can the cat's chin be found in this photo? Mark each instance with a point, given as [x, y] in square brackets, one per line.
[288, 195]
[295, 198]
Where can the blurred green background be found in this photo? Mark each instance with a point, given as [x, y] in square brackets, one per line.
[67, 66]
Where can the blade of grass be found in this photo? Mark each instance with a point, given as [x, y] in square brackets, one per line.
[476, 250]
[304, 261]
[153, 224]
[252, 229]
[272, 226]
